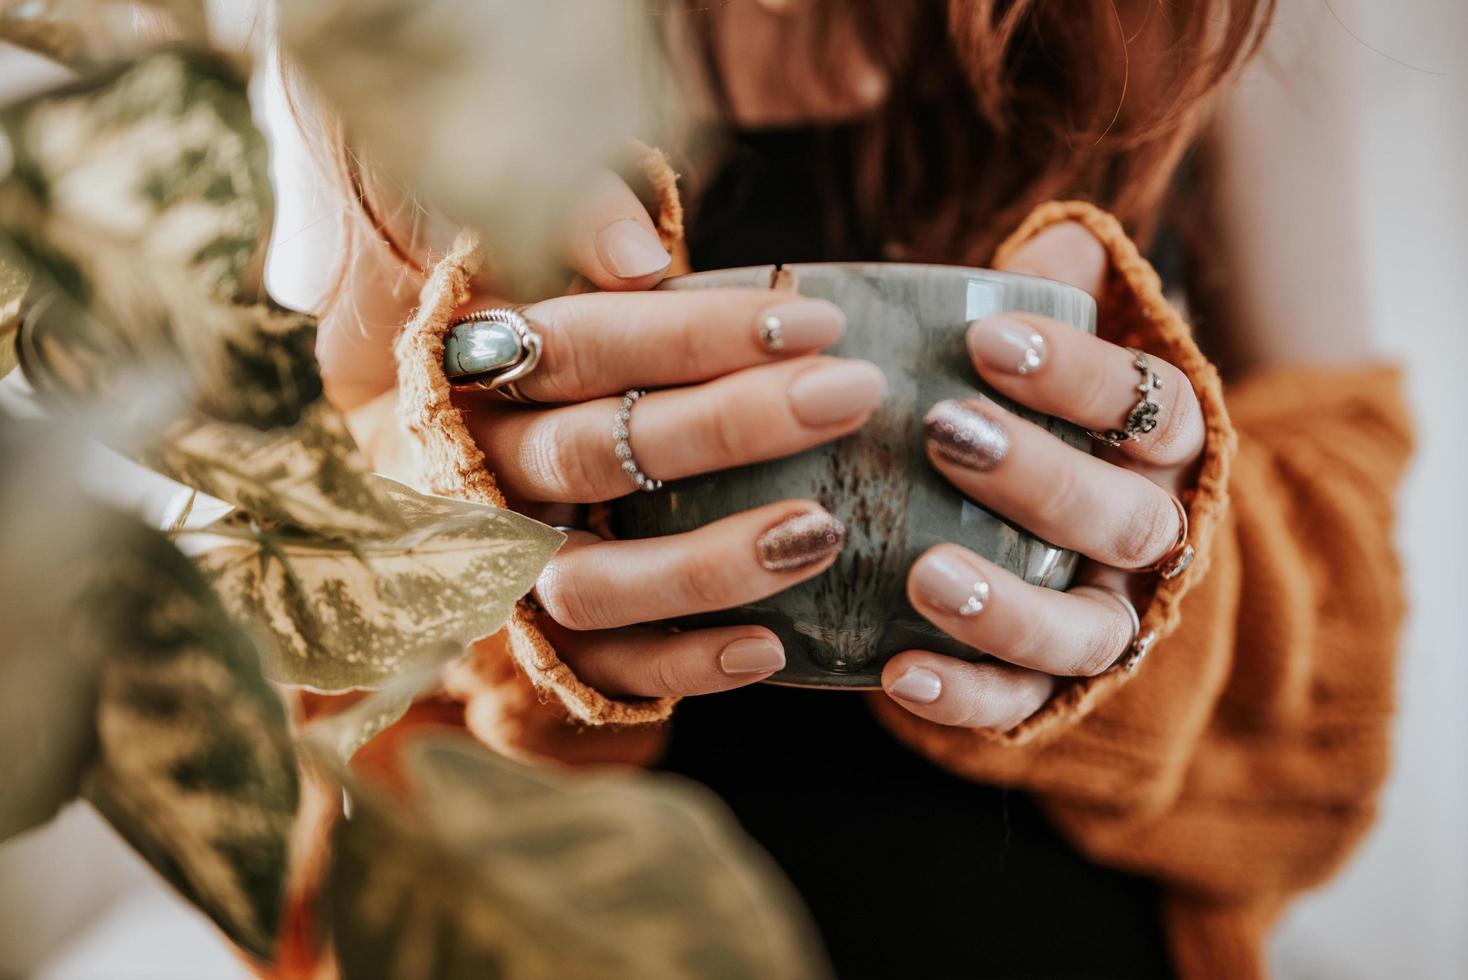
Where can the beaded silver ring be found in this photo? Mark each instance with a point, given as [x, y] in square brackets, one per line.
[622, 434]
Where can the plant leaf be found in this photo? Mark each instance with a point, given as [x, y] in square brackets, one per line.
[554, 876]
[195, 766]
[13, 284]
[53, 540]
[347, 615]
[86, 33]
[141, 198]
[122, 676]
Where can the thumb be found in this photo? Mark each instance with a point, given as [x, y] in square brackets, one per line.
[1065, 251]
[611, 239]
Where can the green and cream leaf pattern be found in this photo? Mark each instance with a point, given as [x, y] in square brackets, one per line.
[141, 200]
[13, 284]
[54, 541]
[540, 876]
[86, 33]
[353, 614]
[194, 763]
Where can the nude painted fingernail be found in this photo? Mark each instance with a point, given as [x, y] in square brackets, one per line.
[951, 583]
[918, 685]
[836, 391]
[801, 540]
[959, 432]
[1007, 345]
[751, 656]
[630, 250]
[800, 325]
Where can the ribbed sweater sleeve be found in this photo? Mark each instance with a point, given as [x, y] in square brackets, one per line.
[1240, 762]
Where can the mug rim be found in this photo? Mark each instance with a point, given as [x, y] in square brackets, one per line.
[891, 268]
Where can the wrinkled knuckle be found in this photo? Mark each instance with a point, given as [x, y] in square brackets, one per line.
[556, 462]
[705, 583]
[1031, 643]
[567, 603]
[724, 434]
[671, 676]
[1179, 434]
[1101, 647]
[1058, 501]
[1144, 532]
[1095, 399]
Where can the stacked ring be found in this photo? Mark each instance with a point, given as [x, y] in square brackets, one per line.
[1143, 416]
[1180, 556]
[622, 434]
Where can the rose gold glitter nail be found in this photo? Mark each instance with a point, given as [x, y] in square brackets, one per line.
[961, 433]
[800, 541]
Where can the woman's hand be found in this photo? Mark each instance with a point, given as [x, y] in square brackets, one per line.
[724, 398]
[1117, 509]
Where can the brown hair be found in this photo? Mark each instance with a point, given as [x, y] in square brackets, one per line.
[996, 106]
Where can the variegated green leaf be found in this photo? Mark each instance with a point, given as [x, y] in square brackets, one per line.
[84, 33]
[122, 676]
[13, 283]
[52, 542]
[141, 200]
[353, 614]
[539, 876]
[194, 764]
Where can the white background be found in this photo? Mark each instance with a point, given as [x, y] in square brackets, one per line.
[76, 905]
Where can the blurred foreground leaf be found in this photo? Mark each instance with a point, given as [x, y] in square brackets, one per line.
[557, 877]
[494, 112]
[85, 33]
[122, 676]
[13, 284]
[51, 542]
[194, 765]
[141, 199]
[353, 614]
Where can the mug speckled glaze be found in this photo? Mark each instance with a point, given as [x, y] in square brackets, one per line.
[841, 627]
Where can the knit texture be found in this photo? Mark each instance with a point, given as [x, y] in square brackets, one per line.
[449, 463]
[1239, 762]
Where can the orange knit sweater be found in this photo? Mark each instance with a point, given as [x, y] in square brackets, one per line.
[1238, 764]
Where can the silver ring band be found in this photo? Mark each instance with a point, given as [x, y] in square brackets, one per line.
[1142, 419]
[1137, 646]
[492, 350]
[622, 434]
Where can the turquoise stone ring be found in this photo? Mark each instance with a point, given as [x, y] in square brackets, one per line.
[491, 350]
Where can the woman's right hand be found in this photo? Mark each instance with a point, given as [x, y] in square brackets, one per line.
[719, 398]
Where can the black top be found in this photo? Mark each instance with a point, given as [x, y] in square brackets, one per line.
[909, 871]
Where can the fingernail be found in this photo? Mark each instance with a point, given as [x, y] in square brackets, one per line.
[959, 432]
[918, 685]
[951, 583]
[800, 541]
[836, 391]
[805, 324]
[1006, 345]
[751, 656]
[630, 250]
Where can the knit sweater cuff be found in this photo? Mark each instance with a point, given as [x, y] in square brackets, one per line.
[449, 463]
[1134, 313]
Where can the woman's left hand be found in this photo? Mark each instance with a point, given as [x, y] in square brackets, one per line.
[1117, 509]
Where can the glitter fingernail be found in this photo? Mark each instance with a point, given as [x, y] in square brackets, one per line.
[959, 432]
[798, 541]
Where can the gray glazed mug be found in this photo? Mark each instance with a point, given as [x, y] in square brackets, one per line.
[841, 627]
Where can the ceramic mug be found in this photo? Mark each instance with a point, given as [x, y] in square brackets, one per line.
[840, 627]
